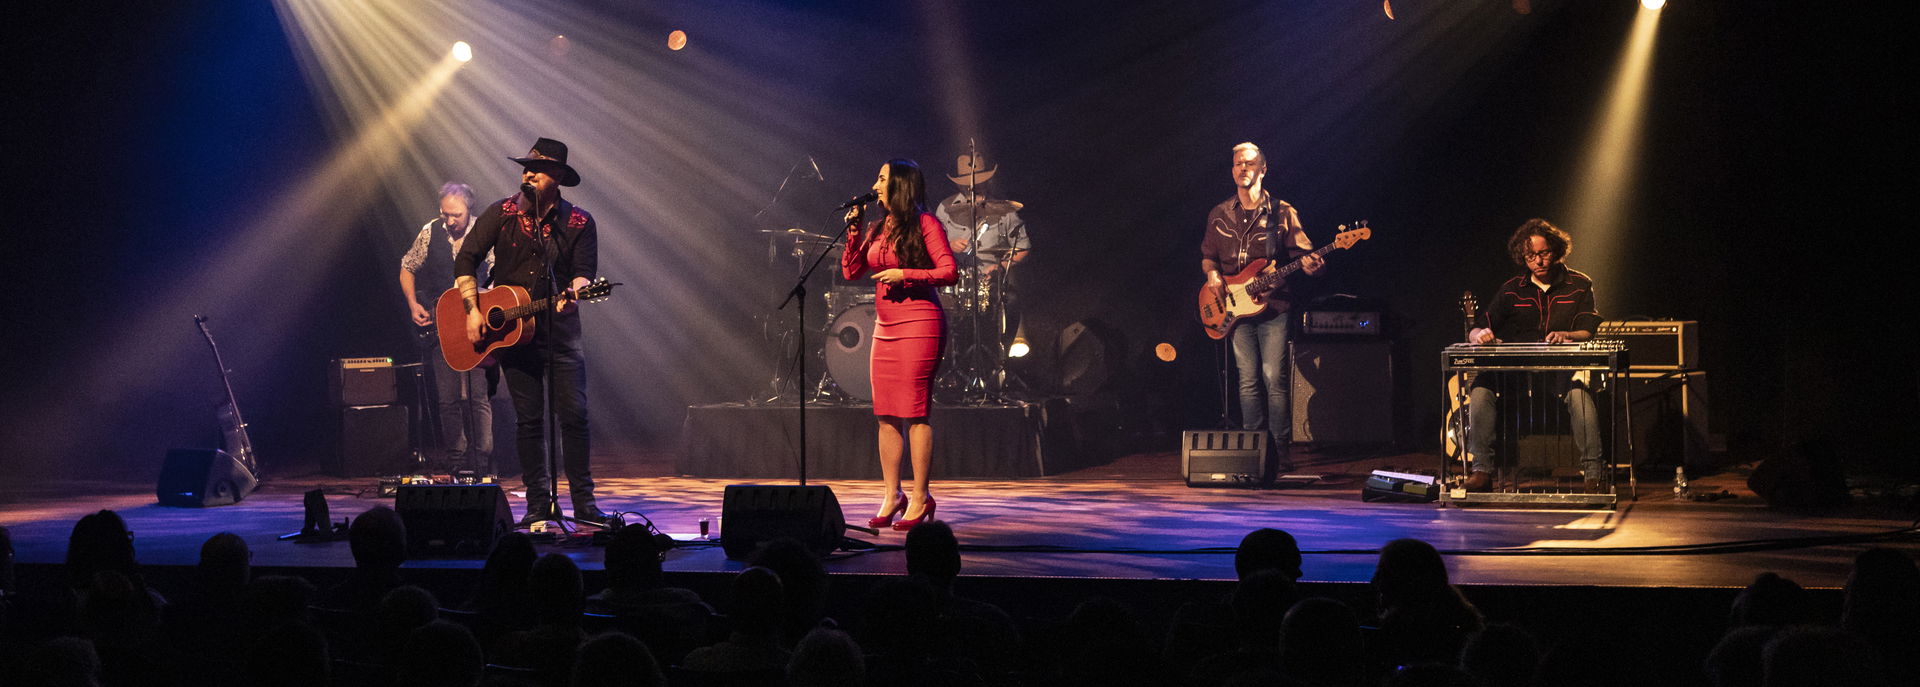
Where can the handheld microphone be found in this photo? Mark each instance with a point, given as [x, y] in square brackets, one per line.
[861, 199]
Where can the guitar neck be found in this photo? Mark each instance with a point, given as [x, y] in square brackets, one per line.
[1272, 279]
[528, 310]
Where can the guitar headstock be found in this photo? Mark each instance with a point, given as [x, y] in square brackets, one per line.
[1469, 306]
[1347, 237]
[596, 291]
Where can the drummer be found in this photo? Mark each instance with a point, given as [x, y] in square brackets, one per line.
[986, 232]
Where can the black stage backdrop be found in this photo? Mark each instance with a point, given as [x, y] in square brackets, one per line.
[145, 139]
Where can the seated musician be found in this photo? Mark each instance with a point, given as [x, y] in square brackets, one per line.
[1547, 302]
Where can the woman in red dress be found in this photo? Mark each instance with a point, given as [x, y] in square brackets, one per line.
[907, 253]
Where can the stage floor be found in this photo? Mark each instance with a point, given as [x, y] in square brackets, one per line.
[1131, 519]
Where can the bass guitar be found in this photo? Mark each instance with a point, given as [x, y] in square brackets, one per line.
[507, 310]
[1244, 294]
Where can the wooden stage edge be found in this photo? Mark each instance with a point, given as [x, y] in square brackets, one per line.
[1132, 519]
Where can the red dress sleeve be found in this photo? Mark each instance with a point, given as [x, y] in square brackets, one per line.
[853, 253]
[945, 271]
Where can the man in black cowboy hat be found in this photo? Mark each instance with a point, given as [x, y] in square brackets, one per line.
[528, 231]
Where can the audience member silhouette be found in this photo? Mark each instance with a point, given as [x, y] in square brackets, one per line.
[1502, 655]
[1882, 605]
[636, 584]
[1320, 644]
[1736, 660]
[500, 602]
[1771, 600]
[440, 654]
[979, 631]
[803, 581]
[1267, 549]
[378, 540]
[291, 655]
[1259, 604]
[1105, 643]
[617, 659]
[60, 662]
[758, 600]
[828, 657]
[558, 602]
[401, 611]
[1808, 656]
[1423, 619]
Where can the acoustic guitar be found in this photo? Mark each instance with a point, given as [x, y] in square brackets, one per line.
[508, 311]
[1244, 294]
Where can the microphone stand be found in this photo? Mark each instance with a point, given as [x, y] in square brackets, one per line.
[798, 294]
[549, 254]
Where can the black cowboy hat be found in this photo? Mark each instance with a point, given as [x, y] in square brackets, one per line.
[550, 156]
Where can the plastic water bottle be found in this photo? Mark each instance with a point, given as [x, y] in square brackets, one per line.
[1680, 490]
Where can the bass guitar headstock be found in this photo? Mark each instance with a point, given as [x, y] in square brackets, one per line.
[1349, 236]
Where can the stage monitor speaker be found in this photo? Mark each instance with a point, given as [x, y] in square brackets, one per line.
[1342, 392]
[373, 442]
[1225, 458]
[200, 477]
[363, 382]
[454, 518]
[755, 513]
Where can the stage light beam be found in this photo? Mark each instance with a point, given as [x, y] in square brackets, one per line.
[1654, 5]
[1605, 182]
[462, 52]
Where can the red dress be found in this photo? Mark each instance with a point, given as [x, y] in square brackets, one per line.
[910, 328]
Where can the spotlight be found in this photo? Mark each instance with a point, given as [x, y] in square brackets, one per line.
[461, 51]
[1019, 349]
[1653, 4]
[1165, 352]
[676, 40]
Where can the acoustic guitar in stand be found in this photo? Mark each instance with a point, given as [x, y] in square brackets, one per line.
[1244, 295]
[508, 311]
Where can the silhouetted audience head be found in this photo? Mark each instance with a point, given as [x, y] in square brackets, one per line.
[933, 552]
[1807, 656]
[400, 612]
[117, 611]
[1772, 600]
[272, 600]
[1267, 549]
[556, 590]
[291, 655]
[757, 597]
[1107, 644]
[440, 654]
[1502, 655]
[100, 541]
[1409, 570]
[633, 559]
[1736, 660]
[803, 581]
[1259, 602]
[899, 617]
[225, 562]
[1320, 643]
[828, 658]
[61, 662]
[1883, 602]
[503, 579]
[616, 659]
[378, 539]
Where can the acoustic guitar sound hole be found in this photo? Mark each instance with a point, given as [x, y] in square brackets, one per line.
[496, 318]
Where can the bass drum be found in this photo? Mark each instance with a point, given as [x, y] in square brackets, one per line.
[849, 351]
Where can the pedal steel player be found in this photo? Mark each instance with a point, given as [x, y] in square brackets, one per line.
[1548, 302]
[523, 230]
[1249, 226]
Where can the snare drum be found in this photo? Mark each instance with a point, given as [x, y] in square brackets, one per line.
[849, 349]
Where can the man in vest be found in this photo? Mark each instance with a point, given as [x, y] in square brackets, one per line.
[463, 399]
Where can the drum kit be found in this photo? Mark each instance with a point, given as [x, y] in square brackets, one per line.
[974, 369]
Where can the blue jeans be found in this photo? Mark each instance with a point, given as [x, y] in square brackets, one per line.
[525, 370]
[466, 414]
[1266, 392]
[1483, 408]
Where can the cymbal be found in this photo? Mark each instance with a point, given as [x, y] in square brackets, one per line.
[797, 233]
[990, 206]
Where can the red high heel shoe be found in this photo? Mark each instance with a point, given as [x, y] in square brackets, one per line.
[904, 524]
[899, 509]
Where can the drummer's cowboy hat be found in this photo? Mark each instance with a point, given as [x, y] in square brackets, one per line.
[971, 172]
[550, 156]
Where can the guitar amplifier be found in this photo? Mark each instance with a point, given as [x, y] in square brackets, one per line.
[1656, 344]
[362, 382]
[1340, 323]
[1225, 458]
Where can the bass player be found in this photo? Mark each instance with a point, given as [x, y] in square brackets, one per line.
[1253, 225]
